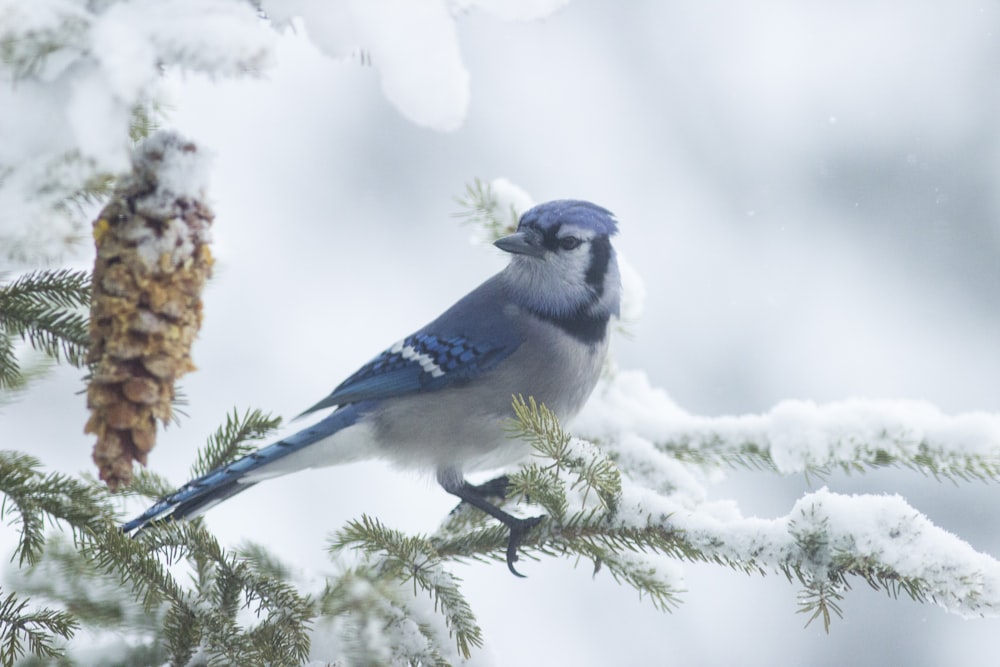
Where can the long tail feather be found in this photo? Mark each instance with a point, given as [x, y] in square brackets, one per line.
[212, 488]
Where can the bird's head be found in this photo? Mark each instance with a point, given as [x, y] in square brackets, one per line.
[563, 262]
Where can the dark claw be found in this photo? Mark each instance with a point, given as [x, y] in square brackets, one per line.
[518, 529]
[476, 496]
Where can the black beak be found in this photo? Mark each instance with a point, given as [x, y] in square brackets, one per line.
[520, 243]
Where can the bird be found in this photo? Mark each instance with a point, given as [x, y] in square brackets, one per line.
[441, 399]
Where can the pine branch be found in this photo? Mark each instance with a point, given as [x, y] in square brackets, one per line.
[593, 471]
[41, 308]
[852, 436]
[818, 600]
[11, 377]
[33, 631]
[481, 207]
[231, 441]
[205, 618]
[415, 559]
[147, 484]
[65, 578]
[137, 563]
[64, 287]
[283, 631]
[33, 497]
[927, 459]
[263, 561]
[642, 575]
[362, 602]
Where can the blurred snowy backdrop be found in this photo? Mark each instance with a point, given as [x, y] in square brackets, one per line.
[807, 190]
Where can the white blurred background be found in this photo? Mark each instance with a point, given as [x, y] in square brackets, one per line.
[806, 188]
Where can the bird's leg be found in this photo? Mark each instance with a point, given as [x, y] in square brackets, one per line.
[476, 496]
[495, 488]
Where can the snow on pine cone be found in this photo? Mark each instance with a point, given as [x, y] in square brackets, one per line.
[152, 263]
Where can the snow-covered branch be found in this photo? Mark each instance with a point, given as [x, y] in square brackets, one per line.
[826, 537]
[79, 79]
[76, 77]
[650, 434]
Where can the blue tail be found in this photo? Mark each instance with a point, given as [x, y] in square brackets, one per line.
[224, 482]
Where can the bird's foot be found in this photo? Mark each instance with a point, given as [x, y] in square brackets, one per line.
[476, 496]
[518, 529]
[495, 488]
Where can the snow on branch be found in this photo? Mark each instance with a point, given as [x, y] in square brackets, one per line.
[826, 537]
[649, 430]
[79, 79]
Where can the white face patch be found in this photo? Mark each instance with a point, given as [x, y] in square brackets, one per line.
[425, 361]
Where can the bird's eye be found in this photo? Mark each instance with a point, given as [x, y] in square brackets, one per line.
[569, 242]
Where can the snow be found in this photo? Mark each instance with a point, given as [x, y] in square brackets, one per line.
[66, 117]
[69, 111]
[181, 168]
[638, 423]
[512, 10]
[629, 415]
[798, 435]
[882, 530]
[510, 196]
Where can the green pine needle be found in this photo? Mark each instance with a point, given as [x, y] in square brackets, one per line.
[27, 630]
[480, 207]
[44, 308]
[231, 441]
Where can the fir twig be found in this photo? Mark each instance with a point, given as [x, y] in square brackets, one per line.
[232, 440]
[592, 469]
[361, 599]
[415, 559]
[714, 451]
[32, 630]
[33, 497]
[206, 616]
[481, 207]
[42, 308]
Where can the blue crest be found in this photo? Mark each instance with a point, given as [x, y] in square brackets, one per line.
[577, 212]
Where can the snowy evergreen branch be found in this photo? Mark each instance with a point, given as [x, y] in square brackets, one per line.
[594, 511]
[415, 559]
[579, 488]
[43, 308]
[202, 617]
[889, 433]
[644, 431]
[35, 499]
[593, 471]
[25, 630]
[480, 206]
[822, 543]
[378, 623]
[928, 458]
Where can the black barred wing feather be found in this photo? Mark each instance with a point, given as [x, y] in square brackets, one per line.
[420, 362]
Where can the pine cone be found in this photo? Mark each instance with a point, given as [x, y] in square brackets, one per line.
[152, 263]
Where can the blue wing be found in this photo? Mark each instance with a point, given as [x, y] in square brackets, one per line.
[420, 362]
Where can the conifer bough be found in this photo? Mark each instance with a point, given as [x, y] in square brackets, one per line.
[152, 263]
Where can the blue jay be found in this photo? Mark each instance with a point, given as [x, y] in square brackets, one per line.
[440, 399]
